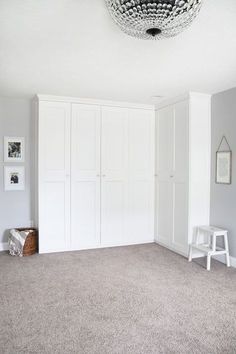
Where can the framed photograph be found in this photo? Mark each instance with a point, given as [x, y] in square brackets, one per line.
[14, 178]
[14, 149]
[223, 167]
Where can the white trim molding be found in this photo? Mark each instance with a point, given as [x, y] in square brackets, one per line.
[221, 258]
[52, 98]
[186, 96]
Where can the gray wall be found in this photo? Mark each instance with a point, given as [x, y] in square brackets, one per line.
[15, 206]
[223, 197]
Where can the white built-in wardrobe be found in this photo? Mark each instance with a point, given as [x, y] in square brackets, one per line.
[111, 173]
[95, 174]
[183, 160]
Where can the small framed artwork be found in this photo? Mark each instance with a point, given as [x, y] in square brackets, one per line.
[14, 178]
[14, 149]
[223, 167]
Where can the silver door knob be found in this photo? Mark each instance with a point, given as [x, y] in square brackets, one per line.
[171, 176]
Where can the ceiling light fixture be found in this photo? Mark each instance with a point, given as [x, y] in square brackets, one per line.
[150, 19]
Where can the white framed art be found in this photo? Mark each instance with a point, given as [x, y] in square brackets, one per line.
[14, 149]
[223, 163]
[14, 178]
[223, 167]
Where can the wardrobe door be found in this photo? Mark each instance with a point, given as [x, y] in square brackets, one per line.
[140, 176]
[164, 180]
[180, 179]
[85, 176]
[54, 176]
[114, 175]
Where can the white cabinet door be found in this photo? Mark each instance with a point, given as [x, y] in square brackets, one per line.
[180, 179]
[164, 185]
[54, 176]
[172, 176]
[114, 184]
[85, 176]
[140, 218]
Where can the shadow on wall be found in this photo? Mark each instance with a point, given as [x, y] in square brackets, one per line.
[5, 235]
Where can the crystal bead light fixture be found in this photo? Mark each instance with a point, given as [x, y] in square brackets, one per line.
[150, 19]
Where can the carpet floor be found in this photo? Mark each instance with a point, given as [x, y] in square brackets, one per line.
[139, 299]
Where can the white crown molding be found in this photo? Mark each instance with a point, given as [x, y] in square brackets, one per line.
[41, 97]
[183, 97]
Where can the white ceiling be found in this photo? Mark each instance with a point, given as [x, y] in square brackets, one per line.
[72, 47]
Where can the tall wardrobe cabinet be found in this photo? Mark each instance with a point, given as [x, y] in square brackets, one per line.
[183, 152]
[111, 173]
[95, 173]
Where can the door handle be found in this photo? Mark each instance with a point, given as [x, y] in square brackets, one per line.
[171, 176]
[98, 175]
[103, 175]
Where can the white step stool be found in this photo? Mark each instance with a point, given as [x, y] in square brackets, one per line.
[210, 248]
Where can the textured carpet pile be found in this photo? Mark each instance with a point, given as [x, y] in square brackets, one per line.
[138, 299]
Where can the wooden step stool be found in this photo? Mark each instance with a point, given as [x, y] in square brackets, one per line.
[210, 248]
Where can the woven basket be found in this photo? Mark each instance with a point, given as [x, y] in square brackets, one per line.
[31, 242]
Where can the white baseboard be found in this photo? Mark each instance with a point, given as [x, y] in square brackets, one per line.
[221, 258]
[108, 245]
[3, 246]
[178, 251]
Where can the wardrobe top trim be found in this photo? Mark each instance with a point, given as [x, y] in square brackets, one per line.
[184, 97]
[96, 102]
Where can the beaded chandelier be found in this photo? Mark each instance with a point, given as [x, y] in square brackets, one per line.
[150, 19]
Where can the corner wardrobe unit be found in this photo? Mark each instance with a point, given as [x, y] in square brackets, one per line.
[183, 139]
[95, 173]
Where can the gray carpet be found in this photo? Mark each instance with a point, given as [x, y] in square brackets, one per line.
[136, 299]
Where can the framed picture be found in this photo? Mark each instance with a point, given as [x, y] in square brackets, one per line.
[14, 149]
[223, 167]
[14, 178]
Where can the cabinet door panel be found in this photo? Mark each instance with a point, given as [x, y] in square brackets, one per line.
[180, 234]
[52, 228]
[85, 215]
[141, 176]
[165, 140]
[181, 141]
[172, 180]
[141, 143]
[114, 175]
[113, 213]
[140, 212]
[54, 179]
[114, 142]
[180, 180]
[85, 176]
[164, 170]
[165, 212]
